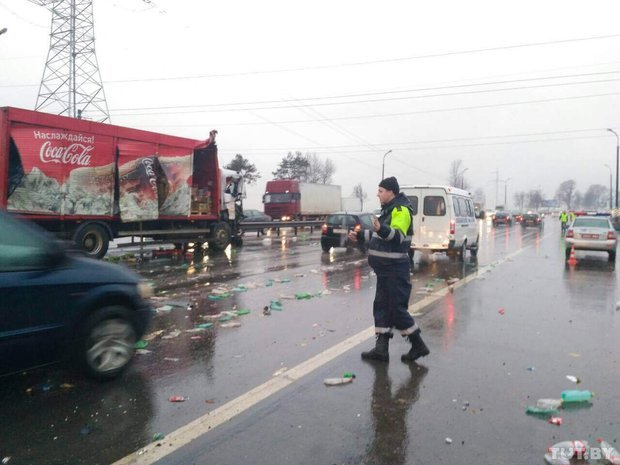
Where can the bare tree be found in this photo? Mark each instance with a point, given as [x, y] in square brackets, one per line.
[534, 198]
[360, 193]
[456, 176]
[519, 198]
[566, 192]
[577, 199]
[479, 196]
[596, 196]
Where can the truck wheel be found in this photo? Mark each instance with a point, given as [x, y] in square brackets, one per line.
[237, 241]
[107, 342]
[93, 239]
[220, 236]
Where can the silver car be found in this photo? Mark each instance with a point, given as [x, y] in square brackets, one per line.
[592, 233]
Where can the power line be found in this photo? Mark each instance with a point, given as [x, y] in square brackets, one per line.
[439, 147]
[406, 113]
[390, 99]
[386, 92]
[375, 62]
[455, 139]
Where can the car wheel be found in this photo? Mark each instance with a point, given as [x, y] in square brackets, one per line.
[237, 241]
[612, 255]
[108, 339]
[463, 252]
[474, 250]
[92, 239]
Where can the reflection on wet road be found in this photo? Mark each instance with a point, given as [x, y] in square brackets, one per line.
[204, 345]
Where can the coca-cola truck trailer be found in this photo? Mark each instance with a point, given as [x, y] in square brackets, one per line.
[288, 199]
[92, 182]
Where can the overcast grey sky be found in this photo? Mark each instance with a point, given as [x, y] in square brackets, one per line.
[507, 86]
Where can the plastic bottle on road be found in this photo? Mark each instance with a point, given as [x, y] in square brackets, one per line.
[577, 396]
[566, 450]
[609, 452]
[550, 404]
[347, 378]
[337, 381]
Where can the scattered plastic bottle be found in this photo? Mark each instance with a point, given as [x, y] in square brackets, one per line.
[577, 396]
[549, 403]
[562, 452]
[337, 381]
[609, 452]
[538, 410]
[177, 398]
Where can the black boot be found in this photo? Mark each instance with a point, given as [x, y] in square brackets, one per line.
[418, 348]
[380, 352]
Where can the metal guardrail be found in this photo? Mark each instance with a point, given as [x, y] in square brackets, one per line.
[278, 225]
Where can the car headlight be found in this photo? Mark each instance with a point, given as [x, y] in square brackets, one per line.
[145, 289]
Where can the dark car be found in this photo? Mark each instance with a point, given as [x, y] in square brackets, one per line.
[338, 225]
[255, 216]
[55, 306]
[502, 218]
[532, 220]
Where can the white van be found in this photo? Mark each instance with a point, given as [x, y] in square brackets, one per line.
[443, 220]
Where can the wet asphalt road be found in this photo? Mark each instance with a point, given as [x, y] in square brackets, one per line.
[485, 365]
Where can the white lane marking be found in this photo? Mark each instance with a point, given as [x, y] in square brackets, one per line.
[202, 425]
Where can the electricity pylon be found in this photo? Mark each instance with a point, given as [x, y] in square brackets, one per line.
[71, 83]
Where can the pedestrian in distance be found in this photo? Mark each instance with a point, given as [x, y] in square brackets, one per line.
[564, 220]
[388, 246]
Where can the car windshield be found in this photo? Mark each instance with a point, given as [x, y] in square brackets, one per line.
[278, 198]
[530, 216]
[591, 223]
[341, 220]
[20, 248]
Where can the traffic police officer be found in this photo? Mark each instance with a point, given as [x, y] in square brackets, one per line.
[389, 242]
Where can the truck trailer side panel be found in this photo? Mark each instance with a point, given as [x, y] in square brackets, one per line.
[319, 199]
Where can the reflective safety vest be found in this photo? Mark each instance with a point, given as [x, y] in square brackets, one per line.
[563, 217]
[388, 248]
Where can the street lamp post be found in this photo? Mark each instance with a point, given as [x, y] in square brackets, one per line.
[383, 164]
[611, 205]
[463, 178]
[506, 192]
[617, 160]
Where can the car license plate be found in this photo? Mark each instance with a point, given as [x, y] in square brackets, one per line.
[589, 236]
[340, 231]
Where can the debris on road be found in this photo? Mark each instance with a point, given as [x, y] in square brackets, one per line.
[177, 398]
[266, 311]
[555, 420]
[549, 403]
[573, 379]
[276, 305]
[141, 344]
[280, 371]
[448, 440]
[501, 311]
[577, 396]
[172, 334]
[610, 452]
[158, 437]
[232, 324]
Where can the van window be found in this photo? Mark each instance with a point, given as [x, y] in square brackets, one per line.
[470, 208]
[456, 206]
[462, 206]
[434, 205]
[414, 203]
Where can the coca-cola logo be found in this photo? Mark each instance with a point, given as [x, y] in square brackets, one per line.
[150, 172]
[74, 154]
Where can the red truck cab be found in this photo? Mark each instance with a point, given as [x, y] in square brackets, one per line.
[282, 199]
